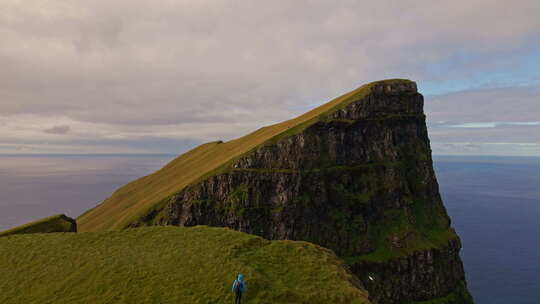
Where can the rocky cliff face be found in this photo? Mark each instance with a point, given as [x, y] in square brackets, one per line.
[359, 180]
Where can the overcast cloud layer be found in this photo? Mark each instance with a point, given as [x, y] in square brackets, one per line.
[163, 76]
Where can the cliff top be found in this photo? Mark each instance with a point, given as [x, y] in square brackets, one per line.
[142, 195]
[55, 223]
[170, 265]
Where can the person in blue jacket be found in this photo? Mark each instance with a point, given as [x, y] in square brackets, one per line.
[239, 287]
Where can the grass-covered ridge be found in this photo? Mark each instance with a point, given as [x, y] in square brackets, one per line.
[55, 223]
[135, 199]
[169, 265]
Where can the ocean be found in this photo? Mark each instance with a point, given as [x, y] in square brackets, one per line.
[494, 203]
[32, 187]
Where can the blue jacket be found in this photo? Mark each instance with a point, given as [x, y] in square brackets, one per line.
[239, 280]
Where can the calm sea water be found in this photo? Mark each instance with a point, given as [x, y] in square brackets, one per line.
[494, 203]
[33, 187]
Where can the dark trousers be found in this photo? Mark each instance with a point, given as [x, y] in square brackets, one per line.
[238, 299]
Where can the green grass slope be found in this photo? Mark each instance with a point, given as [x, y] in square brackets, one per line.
[55, 223]
[169, 265]
[133, 200]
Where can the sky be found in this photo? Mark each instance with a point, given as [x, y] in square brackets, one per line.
[131, 76]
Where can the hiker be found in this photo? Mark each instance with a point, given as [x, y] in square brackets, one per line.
[239, 287]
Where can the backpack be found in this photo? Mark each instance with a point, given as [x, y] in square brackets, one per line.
[238, 287]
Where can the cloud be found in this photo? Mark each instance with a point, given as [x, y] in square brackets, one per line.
[486, 117]
[492, 124]
[204, 70]
[510, 104]
[494, 149]
[57, 130]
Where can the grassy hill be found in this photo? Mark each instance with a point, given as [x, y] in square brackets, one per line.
[55, 223]
[169, 265]
[131, 201]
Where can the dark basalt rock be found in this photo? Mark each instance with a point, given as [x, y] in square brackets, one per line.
[359, 181]
[73, 223]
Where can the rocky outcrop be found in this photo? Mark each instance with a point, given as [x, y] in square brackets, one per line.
[358, 180]
[421, 276]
